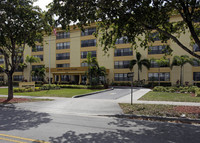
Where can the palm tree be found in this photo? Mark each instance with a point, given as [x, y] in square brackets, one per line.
[140, 62]
[90, 62]
[30, 60]
[94, 70]
[181, 61]
[161, 62]
[39, 73]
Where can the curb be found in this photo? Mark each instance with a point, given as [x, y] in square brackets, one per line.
[154, 118]
[82, 95]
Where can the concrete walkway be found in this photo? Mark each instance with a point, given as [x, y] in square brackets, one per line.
[139, 93]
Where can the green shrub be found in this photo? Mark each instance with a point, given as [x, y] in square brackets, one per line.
[96, 87]
[115, 84]
[192, 89]
[38, 85]
[51, 86]
[37, 89]
[197, 94]
[16, 89]
[172, 90]
[73, 86]
[159, 89]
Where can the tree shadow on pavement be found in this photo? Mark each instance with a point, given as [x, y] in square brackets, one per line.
[12, 118]
[135, 131]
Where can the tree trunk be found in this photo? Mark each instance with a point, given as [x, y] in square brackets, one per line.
[181, 77]
[138, 75]
[10, 86]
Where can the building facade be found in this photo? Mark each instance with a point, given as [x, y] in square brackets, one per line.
[65, 53]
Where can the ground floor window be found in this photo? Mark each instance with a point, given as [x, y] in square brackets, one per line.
[65, 78]
[34, 78]
[83, 79]
[17, 77]
[196, 76]
[121, 77]
[155, 76]
[1, 78]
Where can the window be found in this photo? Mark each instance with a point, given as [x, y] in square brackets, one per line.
[18, 78]
[84, 64]
[1, 78]
[37, 66]
[122, 40]
[196, 64]
[62, 65]
[63, 56]
[34, 78]
[84, 54]
[65, 78]
[88, 31]
[62, 35]
[1, 60]
[124, 52]
[196, 48]
[155, 36]
[196, 76]
[89, 43]
[37, 48]
[121, 64]
[122, 77]
[154, 64]
[163, 76]
[39, 56]
[157, 49]
[65, 45]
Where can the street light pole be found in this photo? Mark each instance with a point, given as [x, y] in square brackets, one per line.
[49, 60]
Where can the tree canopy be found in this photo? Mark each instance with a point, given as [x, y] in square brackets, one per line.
[21, 24]
[117, 18]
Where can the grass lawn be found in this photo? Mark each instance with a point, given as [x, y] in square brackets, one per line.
[161, 110]
[52, 93]
[165, 96]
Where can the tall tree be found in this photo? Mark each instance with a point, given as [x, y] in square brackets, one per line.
[133, 18]
[161, 62]
[30, 60]
[94, 70]
[181, 61]
[21, 24]
[139, 62]
[39, 73]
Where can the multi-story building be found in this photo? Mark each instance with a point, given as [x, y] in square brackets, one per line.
[66, 52]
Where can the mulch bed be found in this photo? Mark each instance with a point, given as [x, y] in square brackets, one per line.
[188, 109]
[14, 100]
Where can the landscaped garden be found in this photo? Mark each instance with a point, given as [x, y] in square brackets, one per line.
[176, 94]
[162, 110]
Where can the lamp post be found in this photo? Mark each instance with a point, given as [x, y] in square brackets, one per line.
[131, 75]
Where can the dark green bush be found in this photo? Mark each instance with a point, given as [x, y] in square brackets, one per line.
[96, 87]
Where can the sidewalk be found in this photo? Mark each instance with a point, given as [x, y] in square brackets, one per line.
[139, 93]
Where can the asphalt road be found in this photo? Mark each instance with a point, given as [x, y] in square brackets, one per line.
[28, 126]
[77, 121]
[111, 95]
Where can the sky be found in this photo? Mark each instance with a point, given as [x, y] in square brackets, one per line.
[43, 3]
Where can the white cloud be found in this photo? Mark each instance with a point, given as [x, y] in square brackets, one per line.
[42, 4]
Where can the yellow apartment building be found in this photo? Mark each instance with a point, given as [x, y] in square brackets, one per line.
[69, 50]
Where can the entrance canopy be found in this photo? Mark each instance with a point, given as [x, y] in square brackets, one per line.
[72, 71]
